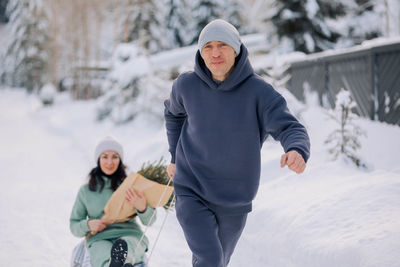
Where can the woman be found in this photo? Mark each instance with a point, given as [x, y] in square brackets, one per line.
[116, 244]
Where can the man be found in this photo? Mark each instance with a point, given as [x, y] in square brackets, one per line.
[217, 119]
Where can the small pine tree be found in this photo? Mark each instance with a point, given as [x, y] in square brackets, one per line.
[157, 172]
[344, 140]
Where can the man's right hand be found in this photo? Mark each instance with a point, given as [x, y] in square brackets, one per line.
[171, 170]
[294, 161]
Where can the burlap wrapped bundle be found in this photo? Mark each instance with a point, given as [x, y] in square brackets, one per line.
[119, 210]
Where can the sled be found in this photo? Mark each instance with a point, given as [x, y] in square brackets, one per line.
[80, 256]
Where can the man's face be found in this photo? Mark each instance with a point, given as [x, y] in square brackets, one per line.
[219, 58]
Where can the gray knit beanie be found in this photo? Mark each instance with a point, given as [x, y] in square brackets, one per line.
[220, 30]
[108, 143]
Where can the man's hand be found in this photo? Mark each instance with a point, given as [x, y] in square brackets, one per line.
[294, 161]
[171, 170]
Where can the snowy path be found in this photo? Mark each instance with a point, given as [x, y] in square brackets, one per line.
[46, 155]
[333, 215]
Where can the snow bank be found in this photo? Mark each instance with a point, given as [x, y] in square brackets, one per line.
[333, 214]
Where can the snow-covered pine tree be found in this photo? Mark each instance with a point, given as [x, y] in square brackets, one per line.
[204, 11]
[258, 17]
[303, 24]
[134, 87]
[233, 12]
[344, 140]
[145, 22]
[178, 22]
[27, 53]
[354, 20]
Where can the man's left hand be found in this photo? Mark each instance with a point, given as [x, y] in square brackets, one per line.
[294, 161]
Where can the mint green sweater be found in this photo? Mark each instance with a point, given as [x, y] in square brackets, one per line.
[90, 205]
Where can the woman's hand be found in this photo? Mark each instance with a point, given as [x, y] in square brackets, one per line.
[136, 199]
[98, 225]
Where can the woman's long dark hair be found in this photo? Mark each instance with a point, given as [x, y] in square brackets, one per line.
[95, 177]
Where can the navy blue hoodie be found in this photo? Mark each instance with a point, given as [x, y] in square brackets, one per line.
[216, 131]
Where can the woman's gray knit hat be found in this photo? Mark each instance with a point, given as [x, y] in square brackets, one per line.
[220, 30]
[108, 143]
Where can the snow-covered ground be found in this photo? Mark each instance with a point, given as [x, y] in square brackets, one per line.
[332, 215]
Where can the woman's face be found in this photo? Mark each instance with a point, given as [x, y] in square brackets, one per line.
[109, 161]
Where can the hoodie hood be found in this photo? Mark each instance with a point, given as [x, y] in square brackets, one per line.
[242, 70]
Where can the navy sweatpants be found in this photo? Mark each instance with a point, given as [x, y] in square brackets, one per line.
[211, 236]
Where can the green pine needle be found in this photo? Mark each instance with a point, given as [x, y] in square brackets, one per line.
[157, 172]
